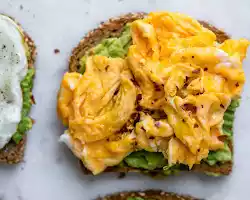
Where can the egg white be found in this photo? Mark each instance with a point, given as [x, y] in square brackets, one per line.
[13, 68]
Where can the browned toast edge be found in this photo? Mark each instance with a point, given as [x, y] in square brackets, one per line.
[148, 194]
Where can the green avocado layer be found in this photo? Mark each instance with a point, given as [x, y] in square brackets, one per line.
[118, 47]
[110, 47]
[224, 155]
[142, 159]
[137, 198]
[26, 123]
[146, 160]
[229, 118]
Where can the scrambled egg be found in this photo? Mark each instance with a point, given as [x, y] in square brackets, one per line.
[179, 68]
[96, 105]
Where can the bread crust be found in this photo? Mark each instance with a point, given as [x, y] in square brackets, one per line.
[148, 194]
[113, 27]
[13, 153]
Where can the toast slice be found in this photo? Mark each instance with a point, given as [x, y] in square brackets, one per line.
[146, 195]
[13, 152]
[113, 28]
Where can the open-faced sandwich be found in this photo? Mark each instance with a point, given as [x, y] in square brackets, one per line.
[153, 93]
[147, 195]
[17, 56]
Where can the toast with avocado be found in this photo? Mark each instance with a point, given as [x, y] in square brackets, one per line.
[153, 93]
[146, 195]
[17, 57]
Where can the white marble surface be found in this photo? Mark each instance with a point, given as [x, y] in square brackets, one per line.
[49, 171]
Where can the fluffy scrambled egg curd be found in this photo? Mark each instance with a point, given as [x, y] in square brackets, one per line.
[173, 66]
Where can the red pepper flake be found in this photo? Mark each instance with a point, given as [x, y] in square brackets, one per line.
[186, 81]
[237, 84]
[134, 82]
[56, 51]
[151, 137]
[196, 71]
[202, 106]
[106, 68]
[205, 69]
[189, 107]
[157, 87]
[222, 106]
[157, 124]
[139, 108]
[123, 129]
[116, 91]
[135, 117]
[33, 99]
[33, 121]
[202, 92]
[196, 125]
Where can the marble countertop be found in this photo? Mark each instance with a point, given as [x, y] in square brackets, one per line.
[49, 171]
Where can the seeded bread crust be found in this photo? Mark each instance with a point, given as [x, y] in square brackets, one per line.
[149, 194]
[13, 153]
[112, 28]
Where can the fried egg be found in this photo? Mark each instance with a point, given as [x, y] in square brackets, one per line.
[13, 68]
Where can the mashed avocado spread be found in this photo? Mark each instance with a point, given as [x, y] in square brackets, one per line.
[222, 155]
[26, 123]
[118, 47]
[111, 47]
[146, 160]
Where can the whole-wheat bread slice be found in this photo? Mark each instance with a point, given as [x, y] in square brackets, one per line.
[112, 28]
[13, 153]
[149, 194]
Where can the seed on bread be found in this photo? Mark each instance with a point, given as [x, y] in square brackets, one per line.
[148, 194]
